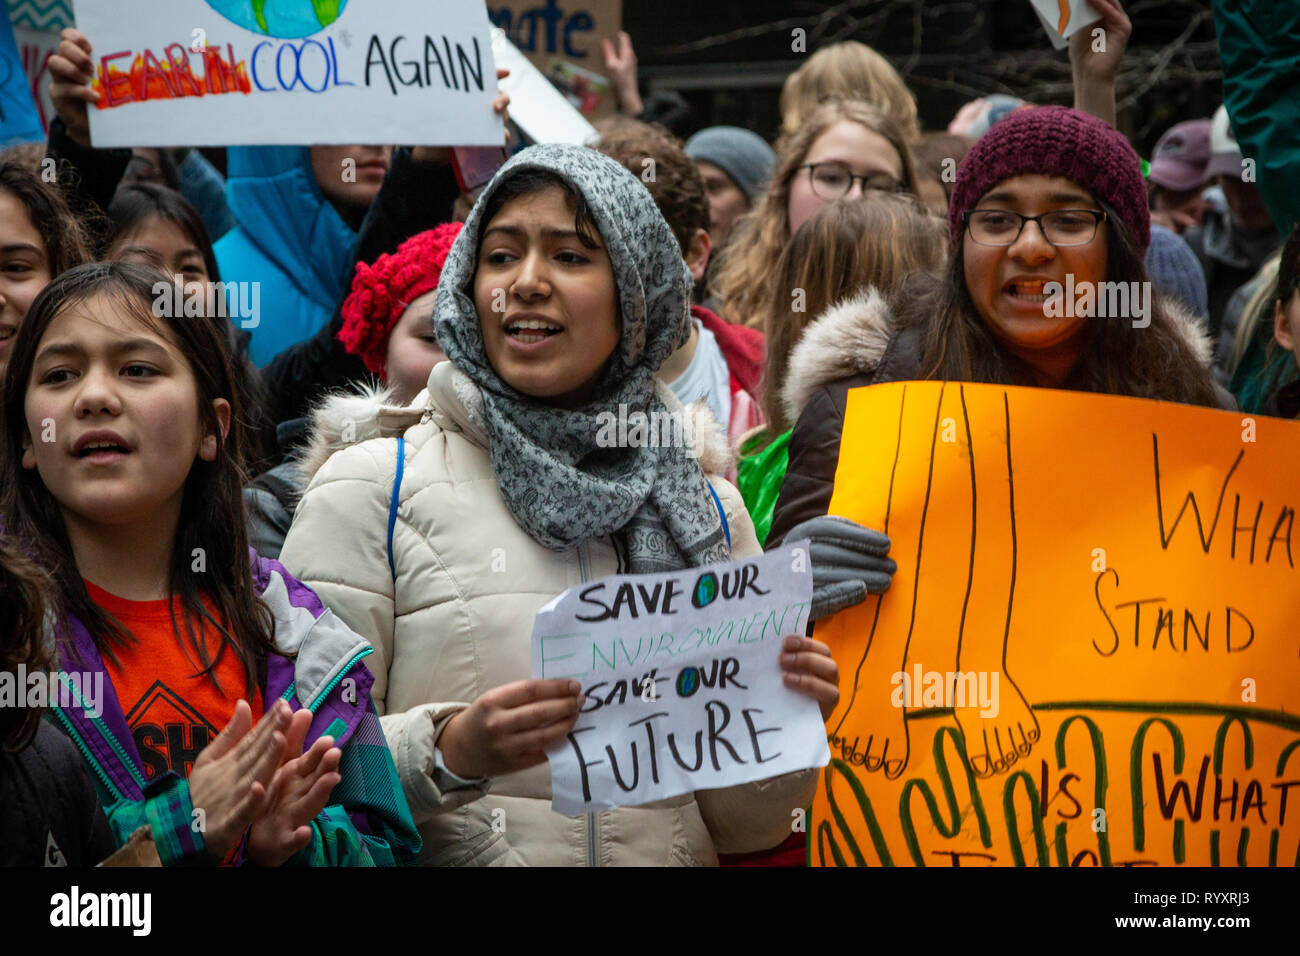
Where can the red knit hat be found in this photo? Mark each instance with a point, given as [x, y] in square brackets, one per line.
[1056, 141]
[381, 292]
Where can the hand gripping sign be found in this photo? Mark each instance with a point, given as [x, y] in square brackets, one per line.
[1089, 654]
[683, 682]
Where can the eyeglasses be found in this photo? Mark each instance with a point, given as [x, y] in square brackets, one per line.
[1060, 227]
[833, 181]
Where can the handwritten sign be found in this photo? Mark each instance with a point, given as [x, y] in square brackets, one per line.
[1089, 654]
[562, 38]
[1062, 19]
[230, 72]
[682, 677]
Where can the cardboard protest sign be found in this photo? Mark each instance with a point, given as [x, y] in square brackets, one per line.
[19, 122]
[562, 38]
[683, 681]
[1062, 19]
[232, 72]
[1089, 654]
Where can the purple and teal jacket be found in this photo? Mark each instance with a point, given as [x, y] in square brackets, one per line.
[367, 823]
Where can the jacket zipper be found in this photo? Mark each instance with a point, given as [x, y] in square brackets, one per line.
[112, 742]
[85, 752]
[593, 821]
[338, 677]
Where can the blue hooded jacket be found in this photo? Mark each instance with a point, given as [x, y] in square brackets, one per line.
[290, 238]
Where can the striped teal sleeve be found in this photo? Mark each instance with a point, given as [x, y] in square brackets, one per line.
[177, 833]
[368, 822]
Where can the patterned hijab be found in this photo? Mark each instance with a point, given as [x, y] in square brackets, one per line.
[559, 483]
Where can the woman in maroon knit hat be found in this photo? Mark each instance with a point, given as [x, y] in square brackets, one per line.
[1049, 202]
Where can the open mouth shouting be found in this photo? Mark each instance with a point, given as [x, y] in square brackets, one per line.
[101, 447]
[531, 329]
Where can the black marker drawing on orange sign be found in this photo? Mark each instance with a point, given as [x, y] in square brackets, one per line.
[994, 742]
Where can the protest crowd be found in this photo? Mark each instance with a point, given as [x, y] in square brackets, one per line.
[324, 507]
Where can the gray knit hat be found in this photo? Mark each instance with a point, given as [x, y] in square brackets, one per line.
[1174, 270]
[742, 155]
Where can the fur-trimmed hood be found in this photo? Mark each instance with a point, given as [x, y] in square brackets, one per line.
[450, 398]
[853, 336]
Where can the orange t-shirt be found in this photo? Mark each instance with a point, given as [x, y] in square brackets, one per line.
[173, 713]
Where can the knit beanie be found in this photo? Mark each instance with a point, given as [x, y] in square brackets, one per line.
[382, 291]
[1056, 141]
[739, 153]
[1174, 270]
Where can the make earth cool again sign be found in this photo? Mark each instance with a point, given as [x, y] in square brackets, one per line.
[682, 678]
[177, 72]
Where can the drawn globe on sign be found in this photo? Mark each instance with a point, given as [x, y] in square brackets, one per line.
[284, 19]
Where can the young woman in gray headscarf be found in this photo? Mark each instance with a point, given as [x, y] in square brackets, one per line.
[562, 296]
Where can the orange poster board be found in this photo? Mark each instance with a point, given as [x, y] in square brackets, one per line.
[1090, 653]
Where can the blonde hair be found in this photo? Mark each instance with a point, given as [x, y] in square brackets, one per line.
[842, 248]
[744, 282]
[848, 71]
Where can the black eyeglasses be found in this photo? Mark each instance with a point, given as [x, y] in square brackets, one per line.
[1060, 227]
[833, 180]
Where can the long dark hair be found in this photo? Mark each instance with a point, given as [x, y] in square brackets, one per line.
[212, 515]
[65, 241]
[1154, 362]
[24, 595]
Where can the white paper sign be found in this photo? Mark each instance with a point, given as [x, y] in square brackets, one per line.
[683, 681]
[240, 72]
[536, 106]
[1062, 19]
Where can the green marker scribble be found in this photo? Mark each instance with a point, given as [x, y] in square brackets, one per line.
[1248, 742]
[1009, 809]
[824, 837]
[1273, 837]
[1135, 781]
[259, 13]
[327, 11]
[864, 804]
[1099, 787]
[950, 797]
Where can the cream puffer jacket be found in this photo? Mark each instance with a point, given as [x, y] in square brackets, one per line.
[454, 619]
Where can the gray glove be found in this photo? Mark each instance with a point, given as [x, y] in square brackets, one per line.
[848, 562]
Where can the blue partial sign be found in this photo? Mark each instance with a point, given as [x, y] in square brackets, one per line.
[18, 120]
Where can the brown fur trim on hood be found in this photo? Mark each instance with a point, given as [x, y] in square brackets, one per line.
[847, 339]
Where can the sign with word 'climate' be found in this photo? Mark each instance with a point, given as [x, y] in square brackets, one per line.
[243, 72]
[682, 678]
[1089, 655]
